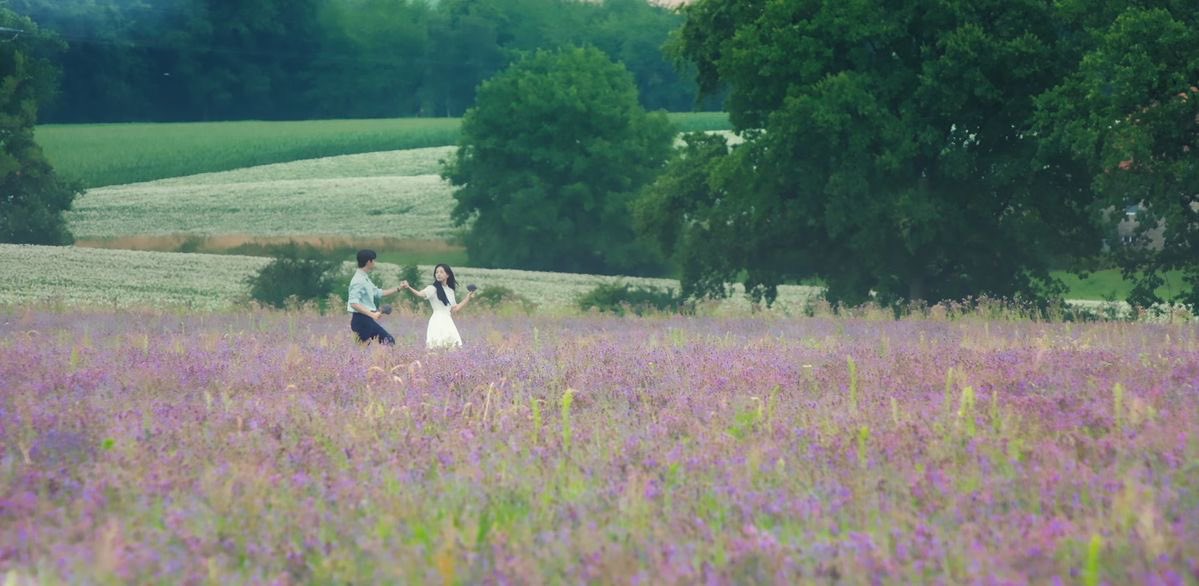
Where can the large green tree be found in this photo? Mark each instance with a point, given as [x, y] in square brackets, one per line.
[889, 150]
[1129, 114]
[32, 197]
[550, 157]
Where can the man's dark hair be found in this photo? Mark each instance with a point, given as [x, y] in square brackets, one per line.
[364, 256]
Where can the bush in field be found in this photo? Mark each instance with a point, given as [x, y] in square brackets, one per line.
[550, 157]
[496, 297]
[412, 274]
[297, 273]
[623, 298]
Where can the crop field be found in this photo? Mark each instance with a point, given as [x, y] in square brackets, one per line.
[139, 446]
[396, 194]
[393, 194]
[117, 154]
[114, 154]
[70, 277]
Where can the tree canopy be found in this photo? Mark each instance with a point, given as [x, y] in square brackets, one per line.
[550, 157]
[889, 151]
[1129, 115]
[32, 197]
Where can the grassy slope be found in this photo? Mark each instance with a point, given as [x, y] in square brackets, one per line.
[116, 154]
[1108, 285]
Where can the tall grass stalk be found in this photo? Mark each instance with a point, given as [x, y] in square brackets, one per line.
[535, 404]
[966, 410]
[567, 398]
[863, 440]
[947, 401]
[1090, 571]
[771, 405]
[1118, 405]
[853, 385]
[996, 421]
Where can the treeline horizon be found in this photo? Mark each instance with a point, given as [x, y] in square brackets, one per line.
[211, 60]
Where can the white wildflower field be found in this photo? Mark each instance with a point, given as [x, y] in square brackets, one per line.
[390, 194]
[403, 163]
[71, 276]
[395, 194]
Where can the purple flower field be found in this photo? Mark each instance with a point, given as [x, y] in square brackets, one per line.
[269, 448]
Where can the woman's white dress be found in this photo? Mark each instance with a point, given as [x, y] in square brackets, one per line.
[442, 332]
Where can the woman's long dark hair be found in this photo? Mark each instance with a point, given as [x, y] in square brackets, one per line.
[449, 281]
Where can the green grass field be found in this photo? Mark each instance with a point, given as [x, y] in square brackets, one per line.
[1105, 285]
[116, 154]
[1109, 285]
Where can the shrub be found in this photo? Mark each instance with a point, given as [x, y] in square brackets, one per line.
[412, 274]
[497, 297]
[622, 298]
[298, 273]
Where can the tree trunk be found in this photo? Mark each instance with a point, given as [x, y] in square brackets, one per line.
[916, 290]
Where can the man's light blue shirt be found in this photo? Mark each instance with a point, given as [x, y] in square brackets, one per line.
[363, 292]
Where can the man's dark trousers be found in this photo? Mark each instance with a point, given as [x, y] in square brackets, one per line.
[369, 329]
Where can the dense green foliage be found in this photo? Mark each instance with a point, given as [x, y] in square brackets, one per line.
[297, 273]
[32, 197]
[414, 276]
[193, 60]
[1129, 114]
[894, 150]
[623, 298]
[679, 213]
[496, 297]
[550, 157]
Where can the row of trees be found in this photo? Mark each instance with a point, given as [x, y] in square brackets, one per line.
[187, 60]
[925, 150]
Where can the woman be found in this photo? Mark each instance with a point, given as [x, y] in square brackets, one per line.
[442, 333]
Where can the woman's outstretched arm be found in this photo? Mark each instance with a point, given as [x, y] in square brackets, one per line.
[420, 294]
[462, 303]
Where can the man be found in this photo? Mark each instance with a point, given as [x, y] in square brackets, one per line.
[363, 302]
